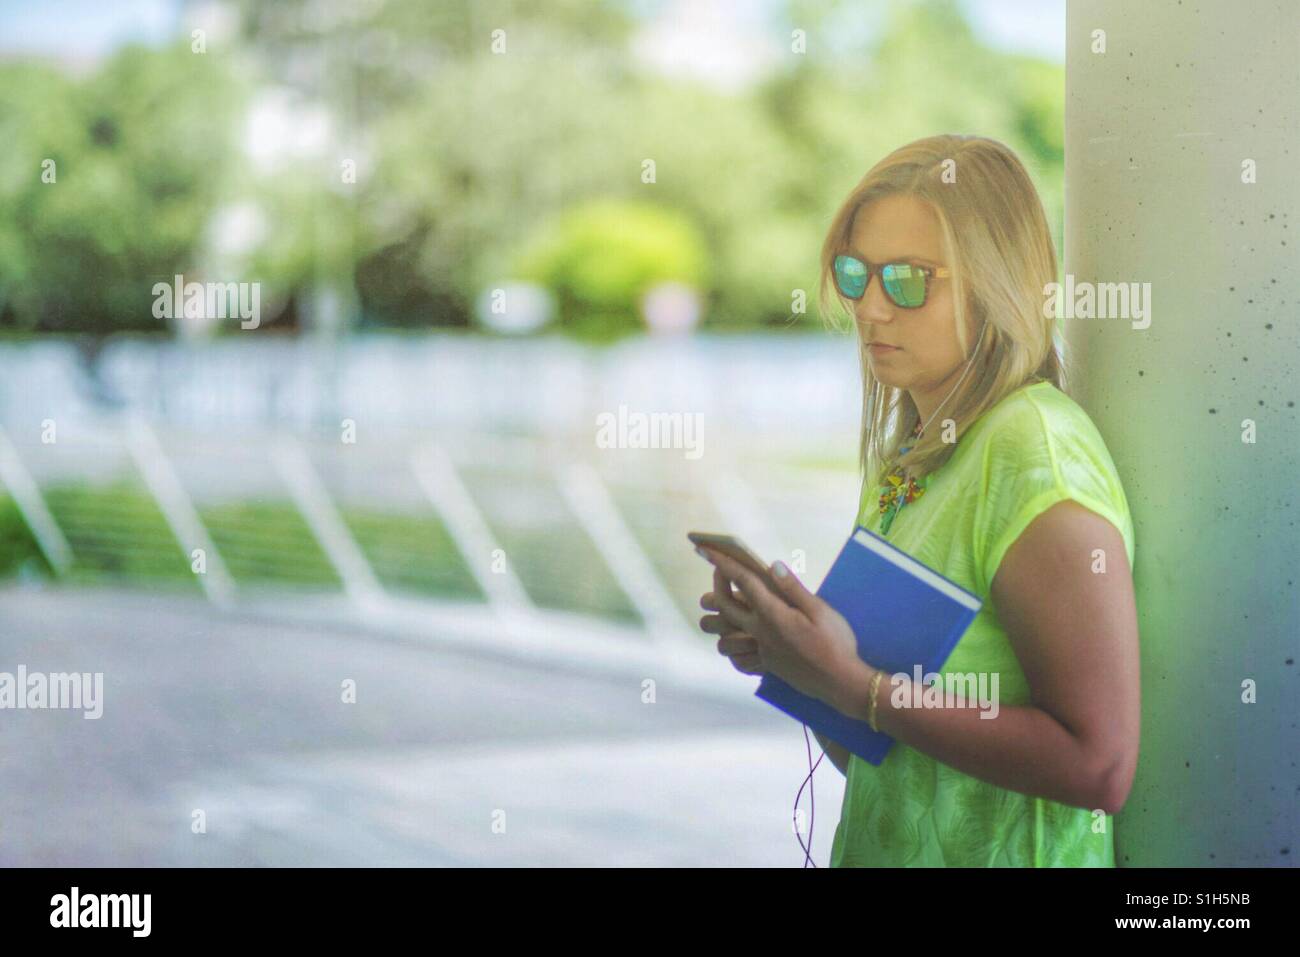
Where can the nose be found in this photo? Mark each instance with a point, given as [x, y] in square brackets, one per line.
[874, 306]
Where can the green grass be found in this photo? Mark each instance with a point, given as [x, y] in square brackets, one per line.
[267, 543]
[556, 562]
[412, 554]
[17, 544]
[118, 534]
[660, 521]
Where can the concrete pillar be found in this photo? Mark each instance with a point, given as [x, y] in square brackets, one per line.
[1159, 131]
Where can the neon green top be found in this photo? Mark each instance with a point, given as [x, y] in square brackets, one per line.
[1034, 448]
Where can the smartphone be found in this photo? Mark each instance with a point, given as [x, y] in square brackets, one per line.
[735, 549]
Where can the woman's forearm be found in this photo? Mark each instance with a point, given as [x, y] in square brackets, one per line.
[1022, 749]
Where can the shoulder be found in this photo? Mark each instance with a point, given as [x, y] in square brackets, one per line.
[1035, 449]
[1040, 425]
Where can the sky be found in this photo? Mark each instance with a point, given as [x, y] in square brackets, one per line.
[724, 41]
[720, 41]
[83, 29]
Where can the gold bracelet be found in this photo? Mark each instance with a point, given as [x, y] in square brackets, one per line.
[871, 707]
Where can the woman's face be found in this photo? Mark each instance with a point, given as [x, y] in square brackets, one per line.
[926, 358]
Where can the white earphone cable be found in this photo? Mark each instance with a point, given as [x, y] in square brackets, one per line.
[974, 352]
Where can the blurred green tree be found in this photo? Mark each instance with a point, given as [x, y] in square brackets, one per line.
[138, 152]
[475, 125]
[603, 257]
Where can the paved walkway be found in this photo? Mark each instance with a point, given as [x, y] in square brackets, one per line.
[446, 758]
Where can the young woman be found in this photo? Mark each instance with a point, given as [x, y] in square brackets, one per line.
[977, 463]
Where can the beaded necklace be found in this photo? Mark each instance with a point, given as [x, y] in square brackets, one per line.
[893, 494]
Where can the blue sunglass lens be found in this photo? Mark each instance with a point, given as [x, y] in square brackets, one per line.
[905, 284]
[850, 276]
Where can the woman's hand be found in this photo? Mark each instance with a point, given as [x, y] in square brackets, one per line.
[740, 647]
[793, 634]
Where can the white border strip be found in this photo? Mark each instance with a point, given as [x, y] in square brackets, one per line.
[177, 510]
[31, 505]
[326, 524]
[469, 530]
[917, 570]
[592, 506]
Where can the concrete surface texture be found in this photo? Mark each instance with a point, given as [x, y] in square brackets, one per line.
[447, 757]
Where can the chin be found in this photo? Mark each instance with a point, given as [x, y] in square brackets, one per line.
[888, 376]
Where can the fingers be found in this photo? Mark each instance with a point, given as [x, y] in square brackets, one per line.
[794, 591]
[748, 664]
[716, 625]
[722, 584]
[734, 643]
[719, 625]
[760, 599]
[724, 575]
[742, 650]
[725, 600]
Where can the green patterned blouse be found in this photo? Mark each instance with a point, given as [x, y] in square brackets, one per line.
[1033, 449]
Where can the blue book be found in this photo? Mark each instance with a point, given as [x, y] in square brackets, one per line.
[903, 614]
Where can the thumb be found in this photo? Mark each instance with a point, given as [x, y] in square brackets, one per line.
[793, 590]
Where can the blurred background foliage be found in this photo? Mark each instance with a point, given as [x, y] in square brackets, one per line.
[147, 141]
[474, 168]
[599, 256]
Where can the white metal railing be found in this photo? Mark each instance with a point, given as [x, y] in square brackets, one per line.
[168, 470]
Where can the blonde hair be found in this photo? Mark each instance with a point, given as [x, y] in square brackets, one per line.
[999, 249]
